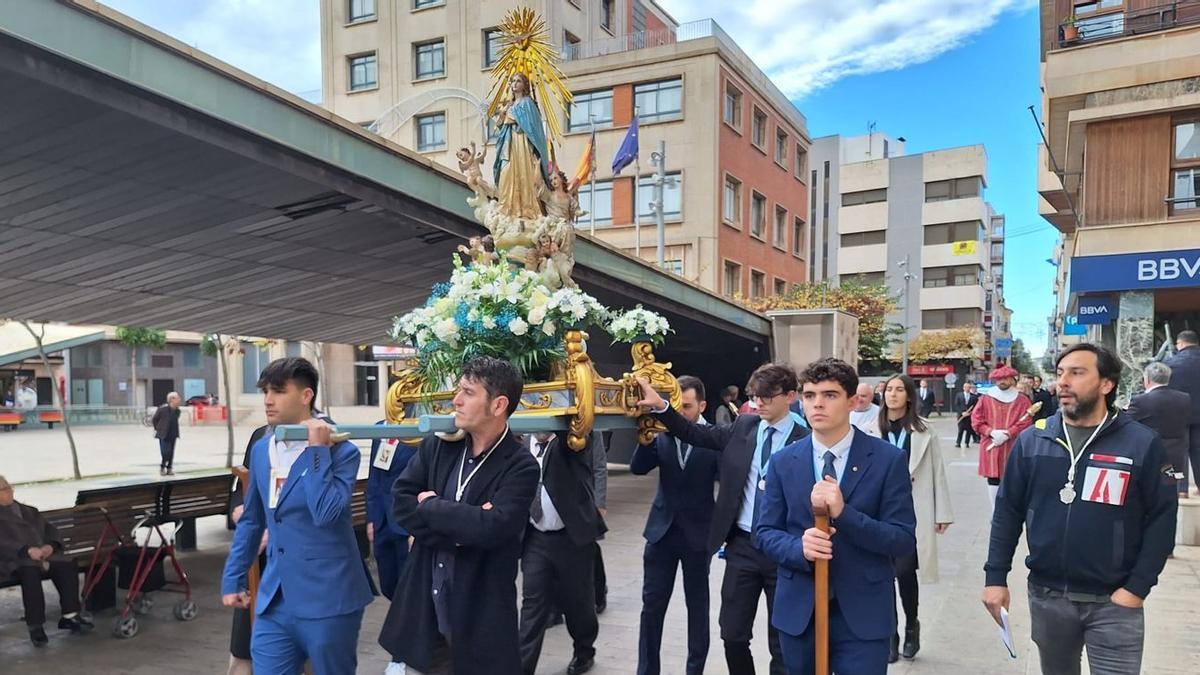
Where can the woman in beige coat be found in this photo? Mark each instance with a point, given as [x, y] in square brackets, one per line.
[900, 425]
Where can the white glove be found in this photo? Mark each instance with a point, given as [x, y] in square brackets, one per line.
[999, 436]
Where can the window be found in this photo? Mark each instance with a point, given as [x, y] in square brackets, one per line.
[639, 17]
[758, 284]
[758, 215]
[656, 101]
[1185, 166]
[935, 319]
[758, 131]
[864, 239]
[430, 59]
[607, 8]
[570, 46]
[957, 275]
[360, 10]
[364, 72]
[780, 286]
[946, 233]
[781, 143]
[674, 267]
[864, 197]
[422, 4]
[293, 349]
[431, 132]
[254, 359]
[600, 206]
[781, 219]
[162, 361]
[862, 279]
[589, 107]
[732, 111]
[731, 210]
[191, 356]
[801, 161]
[955, 188]
[491, 47]
[672, 197]
[733, 278]
[798, 237]
[997, 252]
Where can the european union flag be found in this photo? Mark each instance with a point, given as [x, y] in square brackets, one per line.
[628, 151]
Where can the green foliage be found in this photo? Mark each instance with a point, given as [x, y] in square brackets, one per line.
[132, 336]
[209, 346]
[1021, 360]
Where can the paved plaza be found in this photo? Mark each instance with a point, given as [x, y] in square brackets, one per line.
[957, 636]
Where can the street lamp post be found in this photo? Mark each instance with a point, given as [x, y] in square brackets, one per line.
[658, 160]
[907, 296]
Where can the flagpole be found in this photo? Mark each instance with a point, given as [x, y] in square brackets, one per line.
[637, 179]
[592, 181]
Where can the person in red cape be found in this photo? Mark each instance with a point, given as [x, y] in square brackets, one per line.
[1001, 414]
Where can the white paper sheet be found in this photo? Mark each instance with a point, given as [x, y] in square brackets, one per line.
[1006, 633]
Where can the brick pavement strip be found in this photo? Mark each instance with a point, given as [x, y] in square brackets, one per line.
[957, 636]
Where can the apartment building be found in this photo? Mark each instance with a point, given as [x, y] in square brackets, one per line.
[880, 215]
[1121, 175]
[735, 201]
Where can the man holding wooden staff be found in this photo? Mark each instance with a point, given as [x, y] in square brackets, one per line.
[863, 484]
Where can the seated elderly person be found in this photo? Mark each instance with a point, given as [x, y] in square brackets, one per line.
[29, 546]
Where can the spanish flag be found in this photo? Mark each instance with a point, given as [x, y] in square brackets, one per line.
[587, 164]
[963, 247]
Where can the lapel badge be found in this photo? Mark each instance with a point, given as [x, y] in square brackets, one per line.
[854, 468]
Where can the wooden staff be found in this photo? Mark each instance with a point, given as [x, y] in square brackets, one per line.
[243, 477]
[821, 597]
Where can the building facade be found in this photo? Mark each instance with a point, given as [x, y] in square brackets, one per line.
[1120, 174]
[735, 202]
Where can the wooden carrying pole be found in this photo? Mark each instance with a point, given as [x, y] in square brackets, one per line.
[243, 477]
[821, 597]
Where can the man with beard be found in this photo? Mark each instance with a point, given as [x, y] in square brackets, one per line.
[1105, 507]
[1001, 413]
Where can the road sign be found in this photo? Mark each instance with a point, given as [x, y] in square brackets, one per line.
[1004, 348]
[951, 380]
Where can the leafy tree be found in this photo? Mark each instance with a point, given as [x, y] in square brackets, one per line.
[136, 338]
[215, 345]
[964, 342]
[1021, 360]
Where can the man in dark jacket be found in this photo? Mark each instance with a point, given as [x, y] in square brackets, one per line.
[1185, 377]
[1090, 485]
[466, 503]
[1165, 411]
[29, 546]
[676, 534]
[166, 430]
[1040, 395]
[389, 539]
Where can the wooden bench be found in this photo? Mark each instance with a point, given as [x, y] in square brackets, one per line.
[191, 498]
[10, 420]
[50, 417]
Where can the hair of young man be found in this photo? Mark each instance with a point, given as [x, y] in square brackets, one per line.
[829, 369]
[911, 419]
[1188, 337]
[1107, 364]
[290, 369]
[687, 382]
[772, 379]
[498, 377]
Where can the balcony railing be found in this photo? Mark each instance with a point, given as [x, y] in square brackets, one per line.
[694, 30]
[1136, 22]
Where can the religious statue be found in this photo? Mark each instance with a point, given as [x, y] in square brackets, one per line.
[522, 164]
[470, 162]
[553, 254]
[479, 251]
[562, 201]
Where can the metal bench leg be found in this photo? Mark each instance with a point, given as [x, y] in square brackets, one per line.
[185, 537]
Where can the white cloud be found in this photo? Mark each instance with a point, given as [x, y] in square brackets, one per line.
[276, 40]
[805, 45]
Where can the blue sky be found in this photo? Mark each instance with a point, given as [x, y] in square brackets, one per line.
[941, 73]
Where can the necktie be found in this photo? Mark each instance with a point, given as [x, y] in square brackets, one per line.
[765, 456]
[828, 471]
[535, 509]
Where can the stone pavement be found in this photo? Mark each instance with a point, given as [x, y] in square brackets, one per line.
[957, 635]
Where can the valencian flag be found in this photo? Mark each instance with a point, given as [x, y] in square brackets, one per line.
[587, 163]
[963, 247]
[628, 152]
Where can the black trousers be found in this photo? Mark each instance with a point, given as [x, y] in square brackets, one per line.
[907, 583]
[166, 448]
[600, 576]
[965, 433]
[556, 571]
[65, 576]
[748, 574]
[1194, 452]
[659, 562]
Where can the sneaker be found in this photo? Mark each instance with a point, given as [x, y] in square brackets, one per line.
[162, 470]
[169, 472]
[75, 624]
[38, 635]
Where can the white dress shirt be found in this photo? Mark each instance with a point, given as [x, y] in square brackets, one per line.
[841, 454]
[783, 429]
[551, 521]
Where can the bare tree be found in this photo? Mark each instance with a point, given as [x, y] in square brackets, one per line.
[319, 356]
[38, 337]
[214, 345]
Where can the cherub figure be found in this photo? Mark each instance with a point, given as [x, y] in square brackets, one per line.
[470, 161]
[551, 255]
[562, 201]
[479, 250]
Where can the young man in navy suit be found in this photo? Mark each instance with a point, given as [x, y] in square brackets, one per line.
[312, 594]
[676, 534]
[864, 483]
[389, 539]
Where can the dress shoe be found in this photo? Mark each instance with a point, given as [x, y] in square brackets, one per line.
[894, 649]
[912, 640]
[580, 664]
[75, 624]
[38, 635]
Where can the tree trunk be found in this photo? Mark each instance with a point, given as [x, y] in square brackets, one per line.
[133, 378]
[323, 386]
[228, 398]
[58, 402]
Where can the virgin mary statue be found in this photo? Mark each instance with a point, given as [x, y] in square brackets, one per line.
[521, 167]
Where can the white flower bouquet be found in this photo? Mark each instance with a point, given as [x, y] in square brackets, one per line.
[638, 325]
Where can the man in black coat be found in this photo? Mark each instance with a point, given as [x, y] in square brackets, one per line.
[965, 402]
[926, 398]
[465, 503]
[677, 534]
[166, 429]
[1185, 377]
[558, 557]
[1040, 395]
[1166, 411]
[746, 446]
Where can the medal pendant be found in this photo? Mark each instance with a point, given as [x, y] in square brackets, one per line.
[1067, 494]
[762, 484]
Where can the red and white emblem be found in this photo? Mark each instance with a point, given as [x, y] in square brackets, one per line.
[1105, 486]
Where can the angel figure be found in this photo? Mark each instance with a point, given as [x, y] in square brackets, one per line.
[479, 250]
[562, 200]
[470, 162]
[552, 256]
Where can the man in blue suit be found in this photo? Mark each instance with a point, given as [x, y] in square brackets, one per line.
[312, 594]
[865, 485]
[677, 534]
[388, 538]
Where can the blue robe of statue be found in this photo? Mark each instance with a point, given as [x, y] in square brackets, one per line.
[529, 119]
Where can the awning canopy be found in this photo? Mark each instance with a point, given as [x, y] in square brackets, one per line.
[17, 345]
